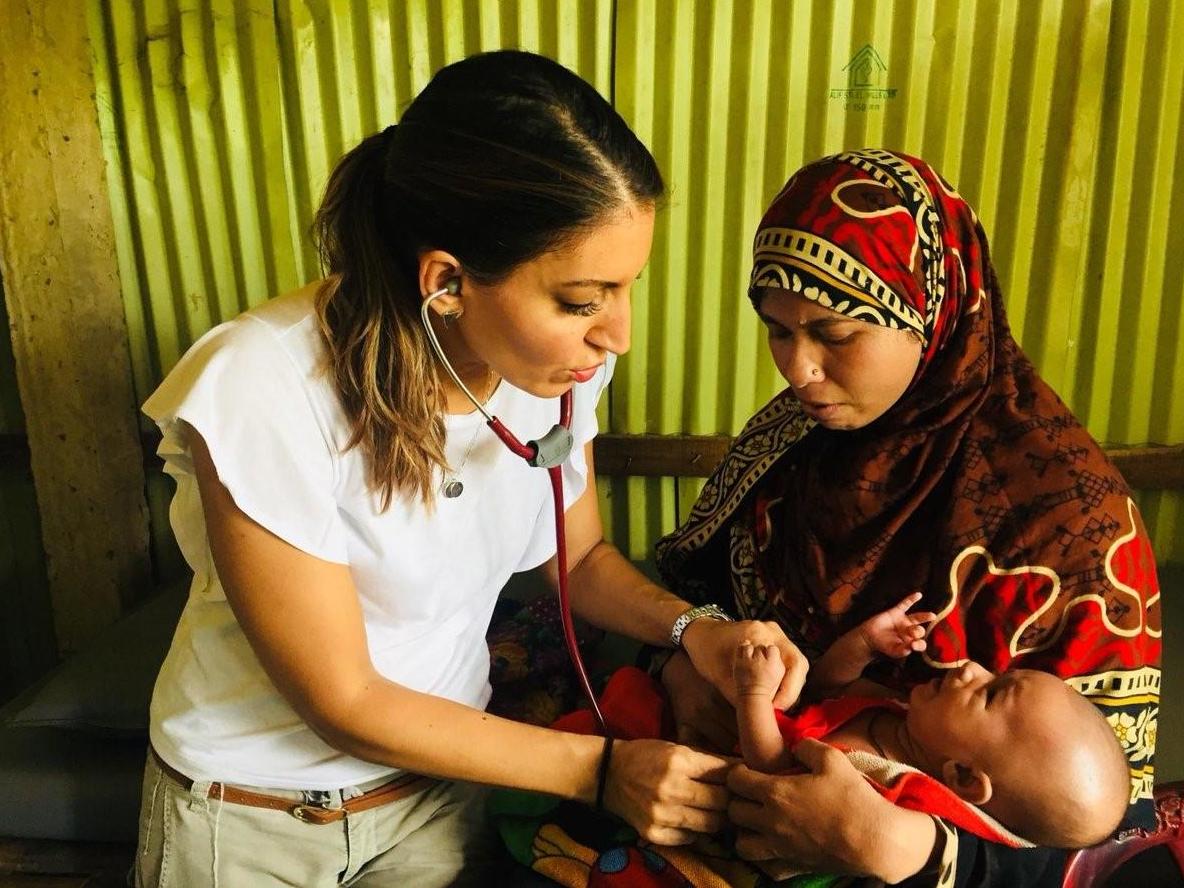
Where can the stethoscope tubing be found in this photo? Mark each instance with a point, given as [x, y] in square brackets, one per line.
[529, 452]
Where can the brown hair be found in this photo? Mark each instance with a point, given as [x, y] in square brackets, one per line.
[503, 157]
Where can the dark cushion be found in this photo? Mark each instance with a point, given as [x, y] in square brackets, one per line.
[105, 688]
[69, 785]
[72, 747]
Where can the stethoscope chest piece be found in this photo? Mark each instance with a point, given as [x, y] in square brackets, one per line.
[553, 448]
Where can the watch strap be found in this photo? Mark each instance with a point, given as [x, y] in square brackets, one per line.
[698, 612]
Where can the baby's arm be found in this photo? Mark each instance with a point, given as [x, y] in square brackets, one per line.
[757, 671]
[894, 633]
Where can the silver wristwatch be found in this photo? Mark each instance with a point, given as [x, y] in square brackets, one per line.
[702, 611]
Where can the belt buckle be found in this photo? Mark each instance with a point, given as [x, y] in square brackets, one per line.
[315, 807]
[308, 813]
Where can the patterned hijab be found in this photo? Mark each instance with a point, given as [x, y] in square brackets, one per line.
[977, 488]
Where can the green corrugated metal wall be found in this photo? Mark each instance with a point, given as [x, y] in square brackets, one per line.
[1058, 120]
[27, 645]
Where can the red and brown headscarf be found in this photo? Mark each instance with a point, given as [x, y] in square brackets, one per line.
[978, 488]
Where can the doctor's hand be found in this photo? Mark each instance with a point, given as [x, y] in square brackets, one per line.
[668, 793]
[827, 820]
[712, 644]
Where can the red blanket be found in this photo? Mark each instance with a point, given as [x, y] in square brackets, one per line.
[633, 707]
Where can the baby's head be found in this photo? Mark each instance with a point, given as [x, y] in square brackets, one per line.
[1025, 747]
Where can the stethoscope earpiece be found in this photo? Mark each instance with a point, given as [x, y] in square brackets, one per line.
[451, 288]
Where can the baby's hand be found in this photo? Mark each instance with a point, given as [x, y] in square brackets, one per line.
[895, 632]
[757, 669]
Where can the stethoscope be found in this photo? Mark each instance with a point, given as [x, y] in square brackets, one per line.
[548, 452]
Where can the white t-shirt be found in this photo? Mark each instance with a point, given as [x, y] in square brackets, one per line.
[255, 388]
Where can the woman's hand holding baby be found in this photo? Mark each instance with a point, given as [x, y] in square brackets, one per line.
[827, 820]
[702, 717]
[711, 645]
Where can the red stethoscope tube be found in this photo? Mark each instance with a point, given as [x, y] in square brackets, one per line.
[529, 452]
[549, 452]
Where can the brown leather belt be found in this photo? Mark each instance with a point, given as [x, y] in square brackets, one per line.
[402, 786]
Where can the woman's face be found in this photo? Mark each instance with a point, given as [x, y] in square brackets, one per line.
[554, 319]
[846, 372]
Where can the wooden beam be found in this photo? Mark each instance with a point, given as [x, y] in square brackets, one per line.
[69, 336]
[695, 456]
[686, 456]
[1150, 468]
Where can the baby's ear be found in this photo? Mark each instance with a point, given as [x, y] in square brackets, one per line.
[970, 783]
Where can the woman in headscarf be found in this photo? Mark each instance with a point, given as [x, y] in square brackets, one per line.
[915, 450]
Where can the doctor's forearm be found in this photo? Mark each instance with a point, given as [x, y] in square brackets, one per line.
[396, 726]
[609, 592]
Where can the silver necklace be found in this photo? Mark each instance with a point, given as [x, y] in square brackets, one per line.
[453, 486]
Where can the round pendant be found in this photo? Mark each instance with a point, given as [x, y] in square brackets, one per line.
[452, 488]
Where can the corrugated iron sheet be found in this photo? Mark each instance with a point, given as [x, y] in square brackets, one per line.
[12, 418]
[1058, 120]
[223, 118]
[27, 644]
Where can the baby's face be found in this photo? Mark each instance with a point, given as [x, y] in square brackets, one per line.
[974, 716]
[1031, 742]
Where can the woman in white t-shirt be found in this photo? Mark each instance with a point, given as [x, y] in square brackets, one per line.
[350, 518]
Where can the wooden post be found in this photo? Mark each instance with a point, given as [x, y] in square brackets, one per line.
[69, 336]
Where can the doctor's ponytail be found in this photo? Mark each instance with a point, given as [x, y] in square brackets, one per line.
[368, 309]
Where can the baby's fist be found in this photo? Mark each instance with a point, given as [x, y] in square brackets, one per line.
[757, 669]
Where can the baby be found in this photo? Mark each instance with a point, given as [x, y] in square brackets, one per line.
[1022, 745]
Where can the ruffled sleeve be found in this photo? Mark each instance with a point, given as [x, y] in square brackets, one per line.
[255, 408]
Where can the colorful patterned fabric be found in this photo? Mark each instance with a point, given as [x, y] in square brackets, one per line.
[582, 848]
[579, 848]
[978, 488]
[529, 669]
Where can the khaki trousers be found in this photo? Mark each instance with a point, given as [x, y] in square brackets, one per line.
[435, 838]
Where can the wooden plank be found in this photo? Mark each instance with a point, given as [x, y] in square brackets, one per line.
[70, 345]
[695, 456]
[688, 456]
[1150, 468]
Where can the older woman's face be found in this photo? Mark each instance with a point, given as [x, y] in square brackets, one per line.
[846, 372]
